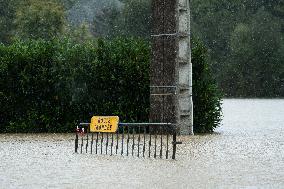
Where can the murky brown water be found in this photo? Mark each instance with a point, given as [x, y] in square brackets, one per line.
[247, 152]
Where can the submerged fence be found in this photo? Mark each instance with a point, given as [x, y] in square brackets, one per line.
[158, 140]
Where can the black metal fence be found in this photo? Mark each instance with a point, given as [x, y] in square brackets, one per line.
[157, 140]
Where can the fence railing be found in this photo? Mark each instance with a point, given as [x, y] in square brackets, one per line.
[157, 140]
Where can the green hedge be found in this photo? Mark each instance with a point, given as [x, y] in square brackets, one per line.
[48, 86]
[207, 108]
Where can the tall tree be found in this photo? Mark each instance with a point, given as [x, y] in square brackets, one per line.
[244, 39]
[256, 57]
[40, 19]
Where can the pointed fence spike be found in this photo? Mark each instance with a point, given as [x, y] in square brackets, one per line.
[102, 140]
[111, 144]
[107, 143]
[133, 141]
[167, 151]
[150, 144]
[155, 152]
[92, 141]
[116, 142]
[127, 141]
[161, 147]
[144, 141]
[87, 143]
[82, 143]
[97, 140]
[138, 142]
[122, 140]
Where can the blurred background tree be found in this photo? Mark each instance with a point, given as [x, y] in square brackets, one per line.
[7, 16]
[245, 42]
[80, 34]
[136, 15]
[44, 19]
[255, 58]
[131, 18]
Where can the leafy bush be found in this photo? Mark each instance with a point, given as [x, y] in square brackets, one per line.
[49, 86]
[207, 109]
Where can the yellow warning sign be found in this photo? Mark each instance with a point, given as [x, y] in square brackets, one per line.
[105, 124]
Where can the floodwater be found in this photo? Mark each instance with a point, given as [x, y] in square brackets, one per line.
[247, 151]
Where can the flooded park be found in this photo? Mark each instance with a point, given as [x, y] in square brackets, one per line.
[246, 151]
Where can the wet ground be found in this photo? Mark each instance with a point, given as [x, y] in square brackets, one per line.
[246, 152]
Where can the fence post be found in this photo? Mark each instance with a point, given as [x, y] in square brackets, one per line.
[174, 145]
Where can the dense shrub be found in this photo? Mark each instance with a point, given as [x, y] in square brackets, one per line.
[50, 86]
[206, 96]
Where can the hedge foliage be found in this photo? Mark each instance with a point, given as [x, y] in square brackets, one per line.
[207, 110]
[48, 86]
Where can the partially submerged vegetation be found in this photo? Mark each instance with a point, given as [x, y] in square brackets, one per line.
[54, 73]
[48, 86]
